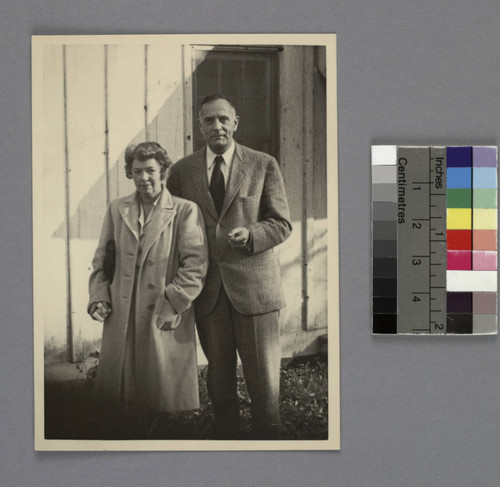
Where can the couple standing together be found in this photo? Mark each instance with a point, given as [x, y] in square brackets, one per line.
[200, 232]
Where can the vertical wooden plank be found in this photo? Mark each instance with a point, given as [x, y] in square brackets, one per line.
[87, 179]
[146, 136]
[308, 247]
[320, 282]
[291, 150]
[50, 247]
[126, 110]
[314, 226]
[106, 127]
[165, 98]
[189, 66]
[203, 72]
[70, 336]
[151, 121]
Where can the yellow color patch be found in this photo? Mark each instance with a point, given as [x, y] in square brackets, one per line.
[458, 219]
[485, 219]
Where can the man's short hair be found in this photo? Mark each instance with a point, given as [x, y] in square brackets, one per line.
[215, 97]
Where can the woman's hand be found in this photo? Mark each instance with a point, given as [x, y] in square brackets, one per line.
[100, 311]
[168, 320]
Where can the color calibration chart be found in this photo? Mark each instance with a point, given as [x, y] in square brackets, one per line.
[434, 217]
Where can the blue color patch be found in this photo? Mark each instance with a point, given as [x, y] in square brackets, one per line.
[458, 177]
[484, 177]
[459, 157]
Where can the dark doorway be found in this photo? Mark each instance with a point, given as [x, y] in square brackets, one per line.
[249, 77]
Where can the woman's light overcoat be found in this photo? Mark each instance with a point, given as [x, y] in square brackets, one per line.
[170, 275]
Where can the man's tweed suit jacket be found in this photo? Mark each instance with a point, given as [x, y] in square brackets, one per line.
[255, 198]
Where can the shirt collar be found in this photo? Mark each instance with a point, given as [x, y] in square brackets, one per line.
[155, 202]
[228, 155]
[141, 209]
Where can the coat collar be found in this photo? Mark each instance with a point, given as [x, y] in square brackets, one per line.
[163, 215]
[239, 168]
[129, 210]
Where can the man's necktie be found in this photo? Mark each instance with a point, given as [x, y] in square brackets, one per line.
[217, 188]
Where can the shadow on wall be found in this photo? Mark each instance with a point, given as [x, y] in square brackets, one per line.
[86, 221]
[296, 261]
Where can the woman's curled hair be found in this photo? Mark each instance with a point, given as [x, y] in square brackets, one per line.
[143, 152]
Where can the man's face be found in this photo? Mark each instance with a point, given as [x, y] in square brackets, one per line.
[218, 122]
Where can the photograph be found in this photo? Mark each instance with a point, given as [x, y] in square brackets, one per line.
[185, 242]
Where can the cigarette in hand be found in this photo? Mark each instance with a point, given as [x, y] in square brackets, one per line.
[97, 316]
[101, 313]
[238, 236]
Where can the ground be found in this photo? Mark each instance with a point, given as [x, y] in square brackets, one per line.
[69, 413]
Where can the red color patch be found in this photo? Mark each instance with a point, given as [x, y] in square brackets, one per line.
[459, 239]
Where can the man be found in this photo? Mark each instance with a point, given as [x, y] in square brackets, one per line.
[242, 197]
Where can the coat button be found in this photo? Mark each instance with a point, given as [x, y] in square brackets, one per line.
[151, 307]
[150, 262]
[151, 285]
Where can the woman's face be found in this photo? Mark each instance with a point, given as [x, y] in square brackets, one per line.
[147, 178]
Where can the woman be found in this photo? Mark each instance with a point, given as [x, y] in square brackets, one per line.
[148, 354]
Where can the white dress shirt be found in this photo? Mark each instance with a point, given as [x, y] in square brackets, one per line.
[225, 167]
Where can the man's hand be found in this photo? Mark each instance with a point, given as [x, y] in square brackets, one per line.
[100, 310]
[238, 237]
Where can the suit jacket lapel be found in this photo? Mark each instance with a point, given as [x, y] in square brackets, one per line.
[239, 168]
[160, 219]
[129, 210]
[200, 181]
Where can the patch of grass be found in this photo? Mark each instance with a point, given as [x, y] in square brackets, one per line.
[304, 399]
[70, 413]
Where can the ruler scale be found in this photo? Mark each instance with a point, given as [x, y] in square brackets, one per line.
[434, 217]
[437, 239]
[413, 232]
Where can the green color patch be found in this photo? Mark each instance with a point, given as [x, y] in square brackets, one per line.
[458, 198]
[485, 198]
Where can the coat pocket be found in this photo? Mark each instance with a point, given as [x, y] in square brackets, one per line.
[248, 199]
[165, 318]
[248, 210]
